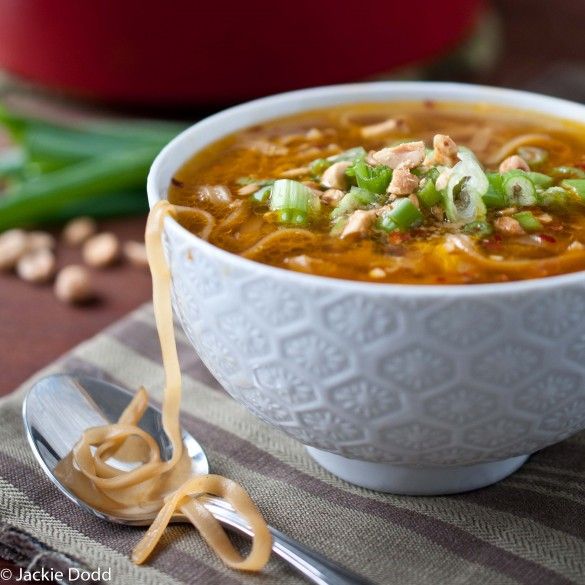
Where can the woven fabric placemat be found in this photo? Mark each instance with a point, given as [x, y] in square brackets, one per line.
[527, 529]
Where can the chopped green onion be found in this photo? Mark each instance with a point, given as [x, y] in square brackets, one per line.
[350, 154]
[375, 179]
[533, 155]
[528, 222]
[481, 229]
[495, 197]
[13, 163]
[338, 226]
[553, 196]
[386, 223]
[262, 195]
[319, 166]
[428, 193]
[540, 180]
[568, 173]
[356, 198]
[403, 213]
[467, 185]
[519, 189]
[576, 186]
[293, 202]
[243, 181]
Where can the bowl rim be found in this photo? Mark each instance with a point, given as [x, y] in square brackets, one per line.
[563, 110]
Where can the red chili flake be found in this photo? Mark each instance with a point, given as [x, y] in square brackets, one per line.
[430, 104]
[441, 279]
[493, 244]
[547, 238]
[177, 183]
[397, 237]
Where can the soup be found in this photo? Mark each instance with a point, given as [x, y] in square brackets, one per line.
[417, 193]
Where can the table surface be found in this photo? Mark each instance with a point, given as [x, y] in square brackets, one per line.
[35, 328]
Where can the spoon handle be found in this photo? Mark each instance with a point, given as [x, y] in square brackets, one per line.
[315, 567]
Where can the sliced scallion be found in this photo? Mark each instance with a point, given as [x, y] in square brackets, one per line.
[403, 214]
[576, 186]
[553, 196]
[356, 198]
[519, 189]
[262, 195]
[428, 193]
[293, 202]
[467, 185]
[319, 166]
[527, 221]
[540, 180]
[375, 179]
[350, 154]
[481, 229]
[495, 197]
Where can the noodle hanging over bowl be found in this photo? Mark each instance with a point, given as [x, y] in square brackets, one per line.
[154, 485]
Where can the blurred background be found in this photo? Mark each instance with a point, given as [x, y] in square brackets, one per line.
[89, 92]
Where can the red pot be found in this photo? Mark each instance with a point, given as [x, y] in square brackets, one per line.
[189, 52]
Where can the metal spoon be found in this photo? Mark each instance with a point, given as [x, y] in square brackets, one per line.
[59, 408]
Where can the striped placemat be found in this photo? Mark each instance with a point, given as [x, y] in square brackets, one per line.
[527, 529]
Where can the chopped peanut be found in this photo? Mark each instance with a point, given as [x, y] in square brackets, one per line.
[408, 154]
[403, 182]
[334, 176]
[332, 196]
[444, 151]
[512, 163]
[508, 226]
[358, 223]
[377, 273]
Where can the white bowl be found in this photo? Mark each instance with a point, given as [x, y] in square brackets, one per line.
[414, 389]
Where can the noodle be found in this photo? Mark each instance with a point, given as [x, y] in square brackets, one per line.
[284, 241]
[166, 487]
[464, 245]
[514, 144]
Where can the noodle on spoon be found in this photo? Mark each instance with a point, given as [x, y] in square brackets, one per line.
[166, 487]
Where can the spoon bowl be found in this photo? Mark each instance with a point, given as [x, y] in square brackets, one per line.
[59, 408]
[85, 402]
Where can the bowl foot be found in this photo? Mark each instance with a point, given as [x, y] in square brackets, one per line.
[416, 481]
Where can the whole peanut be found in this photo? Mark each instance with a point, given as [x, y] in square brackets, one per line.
[101, 250]
[40, 240]
[13, 245]
[78, 230]
[36, 266]
[73, 285]
[135, 253]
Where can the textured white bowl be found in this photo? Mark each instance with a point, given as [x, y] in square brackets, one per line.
[406, 388]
